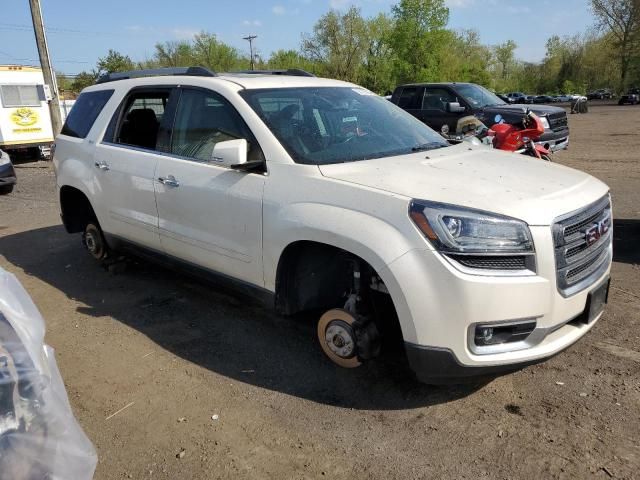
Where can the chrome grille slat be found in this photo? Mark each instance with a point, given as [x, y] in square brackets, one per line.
[579, 264]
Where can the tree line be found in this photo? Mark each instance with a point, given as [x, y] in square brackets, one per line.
[412, 43]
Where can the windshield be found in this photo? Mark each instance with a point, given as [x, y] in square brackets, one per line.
[322, 125]
[477, 96]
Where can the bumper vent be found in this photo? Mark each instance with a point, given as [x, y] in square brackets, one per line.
[516, 262]
[582, 242]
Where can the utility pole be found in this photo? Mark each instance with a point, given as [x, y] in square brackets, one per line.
[250, 39]
[45, 64]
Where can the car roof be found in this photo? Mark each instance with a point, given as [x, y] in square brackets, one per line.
[240, 80]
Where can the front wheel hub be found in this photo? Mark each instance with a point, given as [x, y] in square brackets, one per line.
[337, 338]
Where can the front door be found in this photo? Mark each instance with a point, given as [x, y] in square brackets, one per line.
[125, 163]
[434, 109]
[210, 215]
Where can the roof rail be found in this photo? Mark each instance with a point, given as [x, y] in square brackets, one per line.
[152, 72]
[294, 72]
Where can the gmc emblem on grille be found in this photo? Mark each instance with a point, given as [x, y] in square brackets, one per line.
[597, 230]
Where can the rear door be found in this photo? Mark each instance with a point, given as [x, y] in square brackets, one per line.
[210, 215]
[411, 100]
[125, 163]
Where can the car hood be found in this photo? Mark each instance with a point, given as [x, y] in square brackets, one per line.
[478, 177]
[518, 108]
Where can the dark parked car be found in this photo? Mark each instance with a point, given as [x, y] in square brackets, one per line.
[529, 99]
[601, 94]
[632, 97]
[438, 104]
[543, 99]
[7, 174]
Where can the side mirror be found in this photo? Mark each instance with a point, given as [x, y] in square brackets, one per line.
[455, 107]
[230, 153]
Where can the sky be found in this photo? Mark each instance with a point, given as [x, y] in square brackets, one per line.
[81, 31]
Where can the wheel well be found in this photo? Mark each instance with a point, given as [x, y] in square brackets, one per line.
[313, 275]
[76, 209]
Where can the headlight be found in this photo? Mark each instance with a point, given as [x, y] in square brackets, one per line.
[545, 122]
[458, 230]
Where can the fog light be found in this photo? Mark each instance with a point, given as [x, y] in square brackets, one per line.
[486, 335]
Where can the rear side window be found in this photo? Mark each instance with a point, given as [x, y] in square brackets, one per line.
[20, 96]
[84, 112]
[141, 117]
[411, 98]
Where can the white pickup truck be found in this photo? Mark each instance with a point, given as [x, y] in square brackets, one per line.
[319, 195]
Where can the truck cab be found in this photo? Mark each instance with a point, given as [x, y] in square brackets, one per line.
[439, 104]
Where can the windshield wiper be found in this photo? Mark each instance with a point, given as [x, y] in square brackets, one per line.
[428, 146]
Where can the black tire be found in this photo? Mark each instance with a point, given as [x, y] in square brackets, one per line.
[6, 189]
[546, 158]
[94, 242]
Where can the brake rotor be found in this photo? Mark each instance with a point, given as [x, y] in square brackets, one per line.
[337, 338]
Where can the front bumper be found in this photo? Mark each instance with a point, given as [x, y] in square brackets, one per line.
[440, 366]
[554, 141]
[437, 317]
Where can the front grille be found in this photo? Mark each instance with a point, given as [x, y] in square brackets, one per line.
[557, 121]
[515, 262]
[581, 241]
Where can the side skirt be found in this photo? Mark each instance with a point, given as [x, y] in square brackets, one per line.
[260, 295]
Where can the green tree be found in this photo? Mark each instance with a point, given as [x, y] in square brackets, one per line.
[338, 44]
[419, 38]
[378, 72]
[621, 19]
[505, 57]
[114, 62]
[285, 59]
[207, 51]
[82, 80]
[174, 54]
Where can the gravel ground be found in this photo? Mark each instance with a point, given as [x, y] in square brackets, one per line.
[245, 393]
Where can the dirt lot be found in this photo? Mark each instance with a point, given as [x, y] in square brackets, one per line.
[177, 352]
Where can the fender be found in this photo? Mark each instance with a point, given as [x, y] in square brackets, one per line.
[372, 239]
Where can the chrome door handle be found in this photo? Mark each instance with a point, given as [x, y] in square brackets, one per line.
[102, 166]
[169, 181]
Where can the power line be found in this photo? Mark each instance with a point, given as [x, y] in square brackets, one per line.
[19, 27]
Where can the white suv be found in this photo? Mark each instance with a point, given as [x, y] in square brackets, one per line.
[323, 196]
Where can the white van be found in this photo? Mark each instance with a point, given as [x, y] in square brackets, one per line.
[25, 123]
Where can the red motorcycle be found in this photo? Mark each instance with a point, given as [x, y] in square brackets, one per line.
[520, 137]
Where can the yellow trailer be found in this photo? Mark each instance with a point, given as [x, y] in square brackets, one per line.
[25, 123]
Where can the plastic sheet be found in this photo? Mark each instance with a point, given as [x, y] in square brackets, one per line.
[39, 436]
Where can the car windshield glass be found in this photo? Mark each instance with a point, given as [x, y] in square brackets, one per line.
[477, 96]
[322, 125]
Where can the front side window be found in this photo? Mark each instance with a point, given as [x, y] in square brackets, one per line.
[477, 96]
[437, 99]
[84, 113]
[141, 118]
[322, 125]
[20, 96]
[203, 119]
